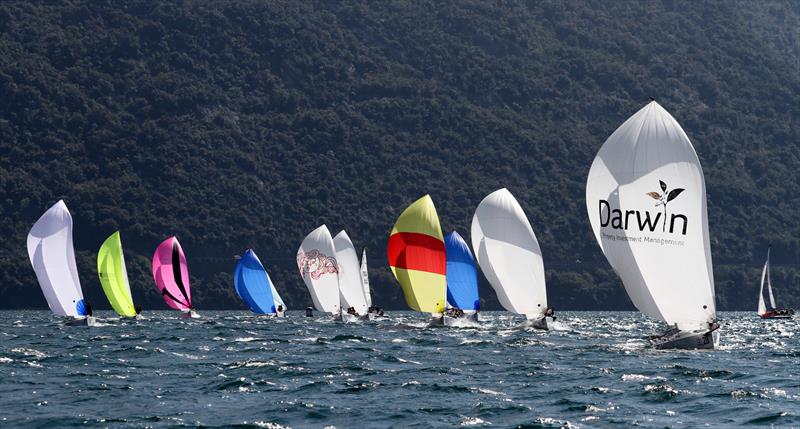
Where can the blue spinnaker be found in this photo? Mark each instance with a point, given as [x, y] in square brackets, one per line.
[462, 277]
[252, 284]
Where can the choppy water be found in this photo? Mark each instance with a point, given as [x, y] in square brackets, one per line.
[231, 368]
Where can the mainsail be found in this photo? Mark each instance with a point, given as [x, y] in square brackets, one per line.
[417, 256]
[172, 274]
[114, 276]
[509, 254]
[252, 284]
[365, 278]
[319, 269]
[646, 199]
[53, 258]
[462, 276]
[350, 287]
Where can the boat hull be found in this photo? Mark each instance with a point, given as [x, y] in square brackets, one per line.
[686, 340]
[778, 314]
[350, 318]
[542, 323]
[84, 321]
[191, 314]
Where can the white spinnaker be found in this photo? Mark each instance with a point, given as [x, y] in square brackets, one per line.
[762, 308]
[769, 283]
[53, 258]
[666, 272]
[365, 278]
[316, 260]
[350, 288]
[275, 296]
[509, 255]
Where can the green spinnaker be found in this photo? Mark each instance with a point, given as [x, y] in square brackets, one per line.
[114, 276]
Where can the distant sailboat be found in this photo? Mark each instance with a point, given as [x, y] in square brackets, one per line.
[171, 274]
[253, 285]
[774, 313]
[662, 255]
[462, 276]
[114, 276]
[52, 255]
[316, 260]
[351, 291]
[510, 257]
[417, 258]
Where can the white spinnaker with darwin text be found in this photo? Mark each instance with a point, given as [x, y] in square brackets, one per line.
[509, 254]
[53, 258]
[666, 272]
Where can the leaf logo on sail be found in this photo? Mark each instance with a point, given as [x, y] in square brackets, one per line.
[316, 264]
[664, 198]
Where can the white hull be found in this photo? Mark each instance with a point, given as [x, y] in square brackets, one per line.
[686, 340]
[280, 314]
[542, 323]
[191, 314]
[350, 318]
[84, 321]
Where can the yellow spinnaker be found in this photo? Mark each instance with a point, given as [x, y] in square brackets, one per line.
[114, 276]
[417, 256]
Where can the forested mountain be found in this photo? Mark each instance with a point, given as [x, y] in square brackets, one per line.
[249, 123]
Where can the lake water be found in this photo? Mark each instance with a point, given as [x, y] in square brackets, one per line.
[235, 369]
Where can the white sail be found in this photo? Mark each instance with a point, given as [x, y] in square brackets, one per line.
[646, 200]
[275, 295]
[509, 254]
[365, 278]
[316, 260]
[769, 283]
[762, 308]
[53, 258]
[350, 288]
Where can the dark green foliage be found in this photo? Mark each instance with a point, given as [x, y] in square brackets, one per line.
[249, 123]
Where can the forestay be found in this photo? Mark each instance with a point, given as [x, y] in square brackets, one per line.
[462, 276]
[509, 254]
[646, 200]
[252, 284]
[350, 288]
[319, 269]
[53, 258]
[114, 276]
[171, 274]
[417, 257]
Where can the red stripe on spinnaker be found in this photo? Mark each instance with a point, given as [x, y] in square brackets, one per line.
[414, 251]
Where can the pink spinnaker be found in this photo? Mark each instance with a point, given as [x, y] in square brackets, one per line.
[172, 274]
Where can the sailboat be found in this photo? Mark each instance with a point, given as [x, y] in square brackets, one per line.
[114, 276]
[53, 258]
[417, 258]
[253, 285]
[171, 275]
[646, 200]
[510, 258]
[351, 291]
[774, 313]
[316, 260]
[462, 278]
